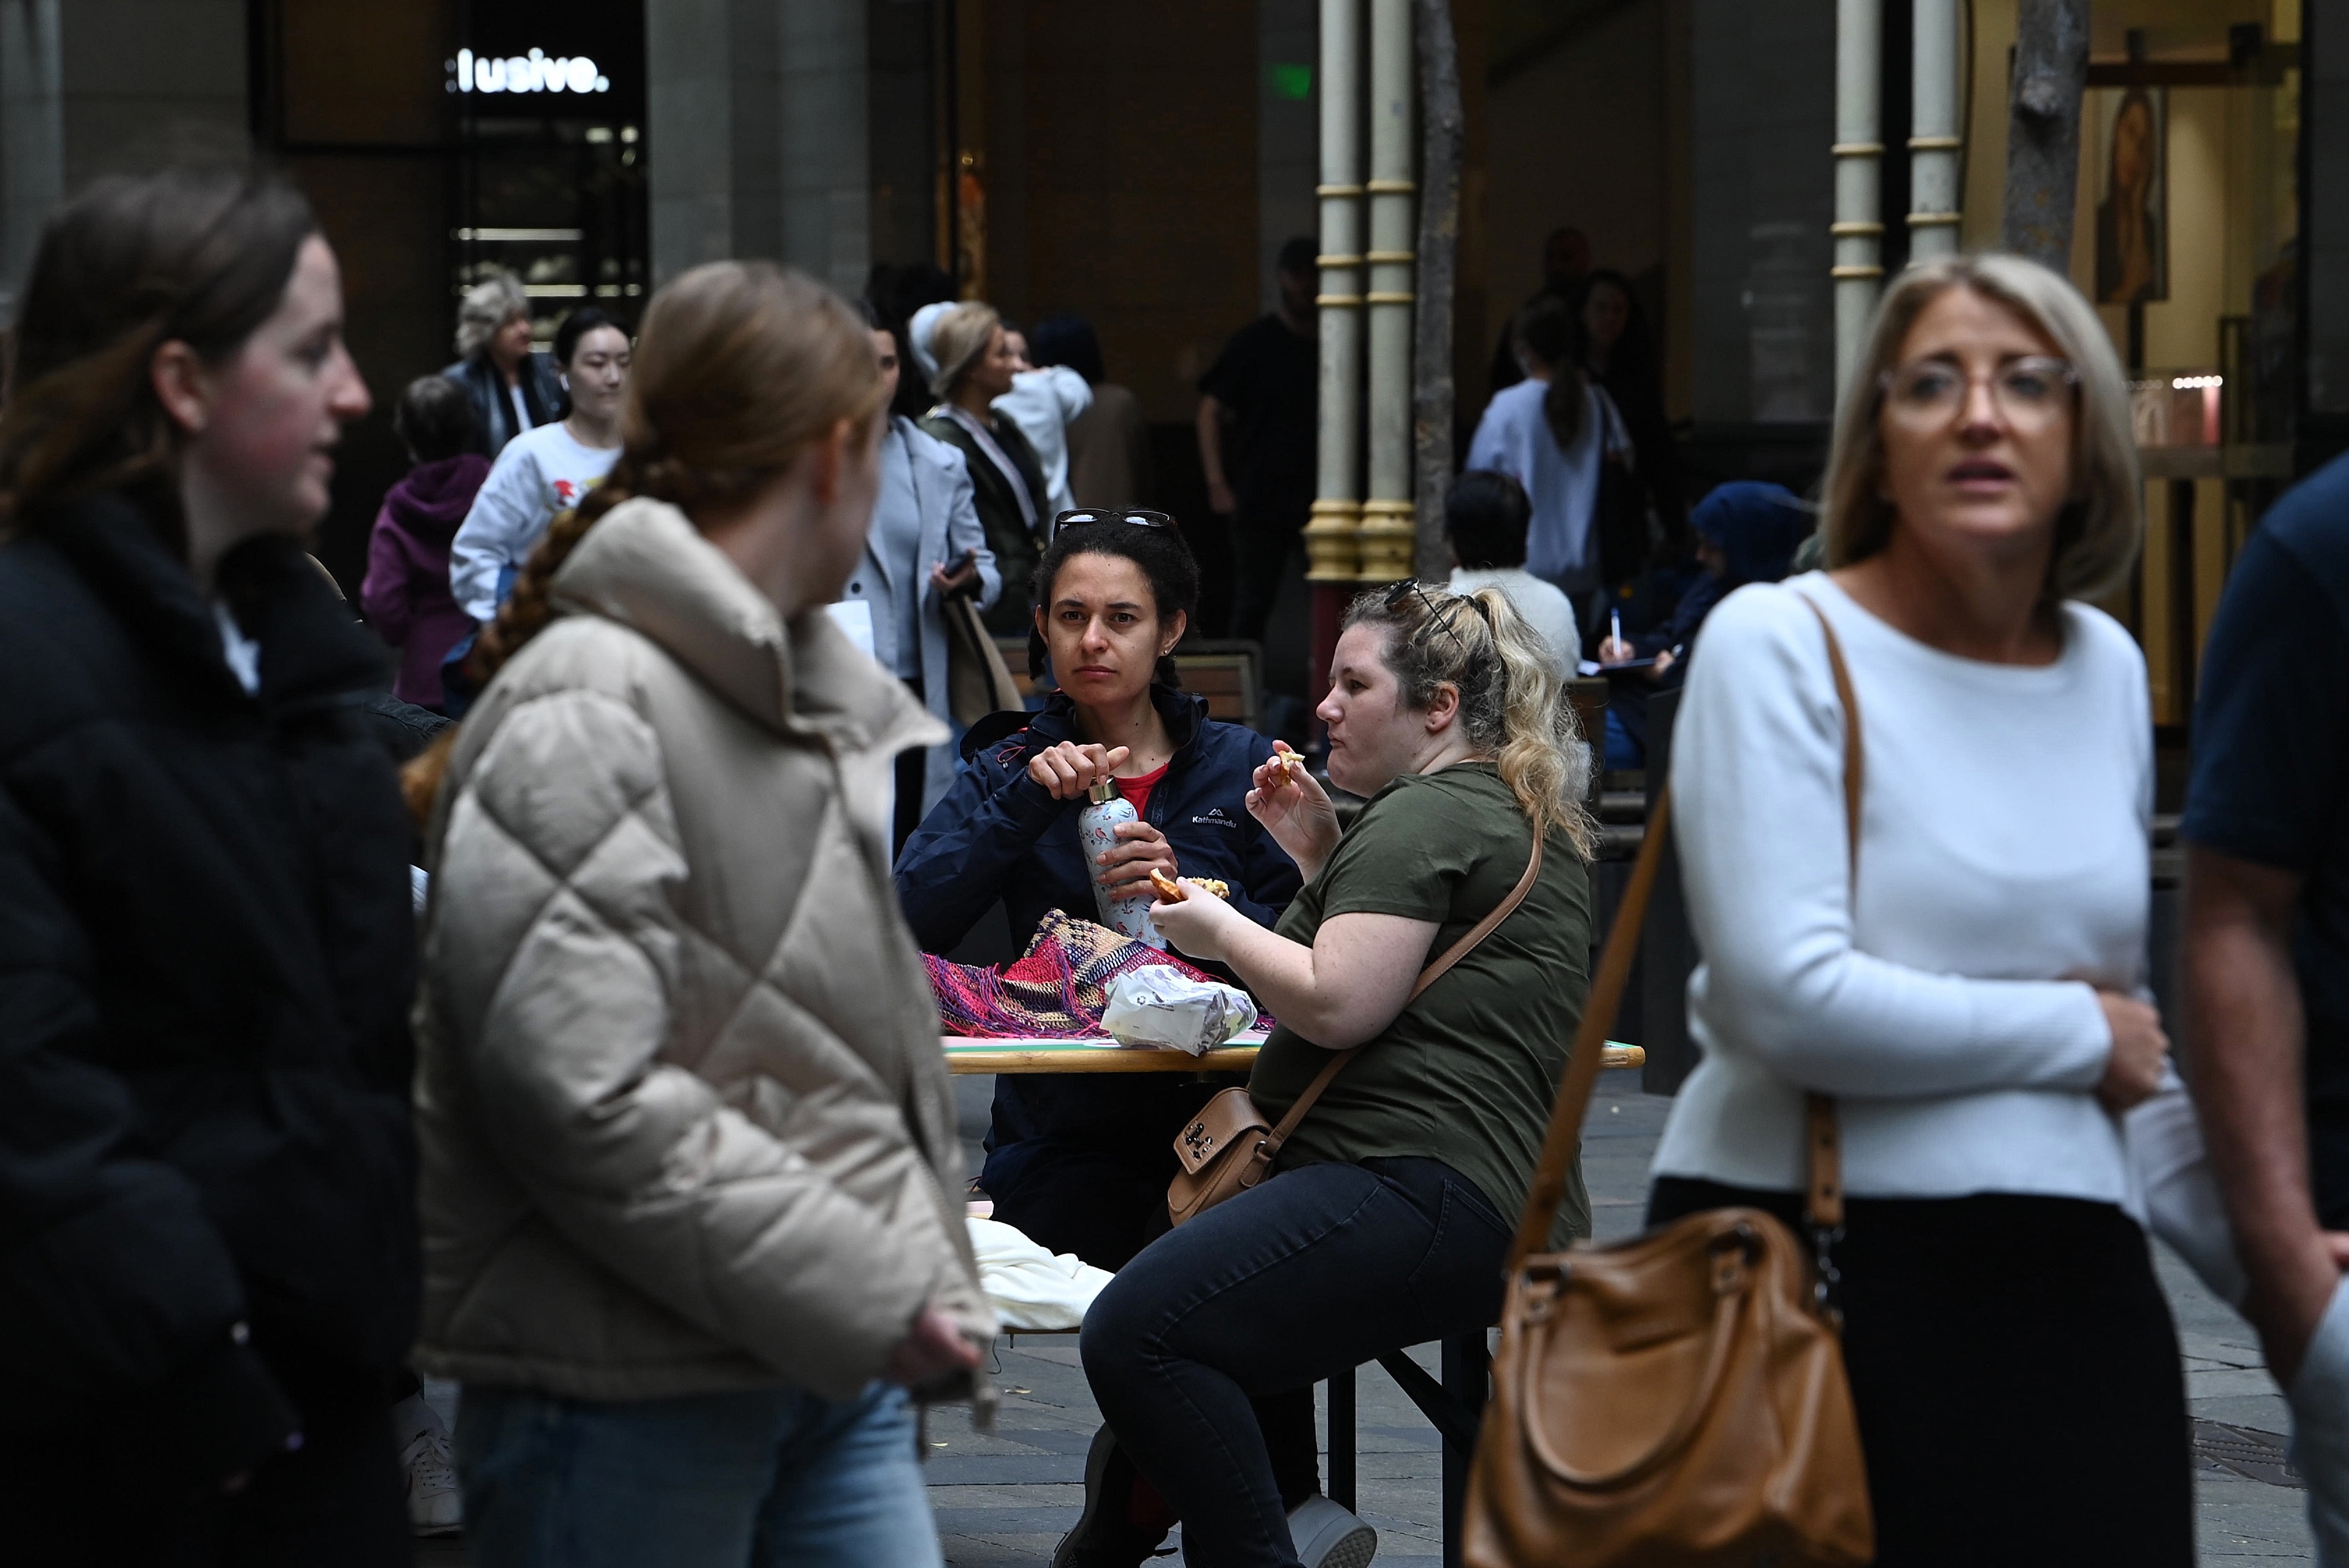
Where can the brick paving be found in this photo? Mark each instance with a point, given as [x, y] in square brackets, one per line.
[1004, 1501]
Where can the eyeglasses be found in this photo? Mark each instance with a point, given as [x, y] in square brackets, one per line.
[2029, 392]
[1438, 615]
[1082, 516]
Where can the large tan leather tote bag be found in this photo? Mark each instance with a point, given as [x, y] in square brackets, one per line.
[1677, 1401]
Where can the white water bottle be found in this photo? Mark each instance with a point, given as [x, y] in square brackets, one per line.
[1128, 913]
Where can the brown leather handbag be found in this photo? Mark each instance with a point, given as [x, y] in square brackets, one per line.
[1679, 1398]
[1229, 1147]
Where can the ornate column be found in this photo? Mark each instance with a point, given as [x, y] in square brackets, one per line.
[1858, 228]
[1387, 535]
[1332, 556]
[1935, 136]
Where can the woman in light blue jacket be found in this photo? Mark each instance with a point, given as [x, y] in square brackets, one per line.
[925, 544]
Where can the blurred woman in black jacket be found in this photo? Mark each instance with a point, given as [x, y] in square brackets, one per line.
[208, 1260]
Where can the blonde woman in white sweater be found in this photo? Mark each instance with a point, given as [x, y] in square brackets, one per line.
[1971, 997]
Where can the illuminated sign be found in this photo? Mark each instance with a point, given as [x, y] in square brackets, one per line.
[536, 72]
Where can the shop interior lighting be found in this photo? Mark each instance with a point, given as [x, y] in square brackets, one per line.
[541, 236]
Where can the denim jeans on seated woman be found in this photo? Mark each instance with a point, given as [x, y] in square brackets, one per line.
[751, 1480]
[1313, 1274]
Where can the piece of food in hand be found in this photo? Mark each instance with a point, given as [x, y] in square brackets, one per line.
[1288, 761]
[1222, 890]
[1168, 889]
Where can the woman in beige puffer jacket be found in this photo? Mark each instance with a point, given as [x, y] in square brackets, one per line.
[692, 1190]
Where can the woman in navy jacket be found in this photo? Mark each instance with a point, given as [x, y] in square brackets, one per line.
[1080, 1161]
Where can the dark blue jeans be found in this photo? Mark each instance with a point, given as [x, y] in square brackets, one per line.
[1318, 1270]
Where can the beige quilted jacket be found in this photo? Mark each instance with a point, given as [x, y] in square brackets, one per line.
[684, 1122]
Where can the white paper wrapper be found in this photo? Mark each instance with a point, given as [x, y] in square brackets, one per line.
[1164, 1006]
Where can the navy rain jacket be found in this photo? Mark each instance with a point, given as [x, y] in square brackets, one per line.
[1000, 834]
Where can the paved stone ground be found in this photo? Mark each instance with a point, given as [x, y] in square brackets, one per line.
[1004, 1501]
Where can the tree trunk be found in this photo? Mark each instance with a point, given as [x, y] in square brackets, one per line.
[2043, 136]
[1438, 245]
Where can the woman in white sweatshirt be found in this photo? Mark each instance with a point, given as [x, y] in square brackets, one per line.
[1971, 994]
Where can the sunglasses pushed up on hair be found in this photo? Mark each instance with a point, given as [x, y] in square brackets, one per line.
[1084, 516]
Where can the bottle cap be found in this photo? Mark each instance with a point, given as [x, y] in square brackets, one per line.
[1103, 791]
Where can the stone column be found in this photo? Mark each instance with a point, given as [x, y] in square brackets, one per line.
[756, 117]
[32, 135]
[1934, 139]
[1859, 154]
[1331, 556]
[1387, 534]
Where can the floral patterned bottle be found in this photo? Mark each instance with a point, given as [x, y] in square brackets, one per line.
[1128, 913]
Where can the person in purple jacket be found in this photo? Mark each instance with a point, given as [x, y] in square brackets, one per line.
[406, 593]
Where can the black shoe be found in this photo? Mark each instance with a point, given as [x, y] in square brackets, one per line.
[1106, 1535]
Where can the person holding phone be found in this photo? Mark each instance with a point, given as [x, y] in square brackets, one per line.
[925, 546]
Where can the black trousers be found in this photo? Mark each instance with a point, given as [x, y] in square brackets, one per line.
[2017, 1376]
[1203, 1352]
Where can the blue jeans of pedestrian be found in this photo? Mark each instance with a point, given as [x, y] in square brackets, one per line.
[751, 1480]
[1320, 1270]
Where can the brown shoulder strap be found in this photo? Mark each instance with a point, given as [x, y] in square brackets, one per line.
[1591, 1043]
[1427, 976]
[1821, 1136]
[1825, 1199]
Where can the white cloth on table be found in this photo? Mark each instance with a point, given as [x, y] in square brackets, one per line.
[1029, 1287]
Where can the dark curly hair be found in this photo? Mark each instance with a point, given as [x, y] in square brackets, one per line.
[1165, 561]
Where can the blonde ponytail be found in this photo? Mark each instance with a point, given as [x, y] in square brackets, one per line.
[1512, 705]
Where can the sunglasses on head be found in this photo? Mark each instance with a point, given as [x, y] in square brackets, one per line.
[1082, 516]
[1437, 615]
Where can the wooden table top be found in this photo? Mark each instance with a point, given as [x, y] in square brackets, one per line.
[1101, 1055]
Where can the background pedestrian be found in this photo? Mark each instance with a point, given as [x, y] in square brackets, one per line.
[970, 365]
[1485, 516]
[1044, 400]
[544, 471]
[1109, 445]
[513, 389]
[1264, 386]
[406, 593]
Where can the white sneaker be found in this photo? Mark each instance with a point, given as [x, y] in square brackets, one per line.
[435, 1506]
[1329, 1536]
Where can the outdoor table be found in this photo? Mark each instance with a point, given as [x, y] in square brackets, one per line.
[1454, 1404]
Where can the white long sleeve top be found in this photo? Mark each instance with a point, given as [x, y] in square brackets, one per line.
[539, 473]
[1562, 484]
[2003, 875]
[1041, 402]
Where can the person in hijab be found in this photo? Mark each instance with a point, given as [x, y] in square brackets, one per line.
[1746, 532]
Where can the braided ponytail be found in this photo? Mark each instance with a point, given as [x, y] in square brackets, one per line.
[741, 367]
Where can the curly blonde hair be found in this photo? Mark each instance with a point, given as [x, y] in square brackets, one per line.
[1512, 707]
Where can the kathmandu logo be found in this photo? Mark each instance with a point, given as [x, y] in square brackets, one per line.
[1215, 818]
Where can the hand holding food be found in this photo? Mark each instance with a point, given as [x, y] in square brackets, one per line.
[1196, 926]
[1293, 809]
[1069, 770]
[1171, 891]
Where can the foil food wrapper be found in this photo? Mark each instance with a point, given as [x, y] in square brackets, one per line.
[1163, 1006]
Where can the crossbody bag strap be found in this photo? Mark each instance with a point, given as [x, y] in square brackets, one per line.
[1823, 1205]
[1574, 1088]
[1427, 976]
[1824, 1201]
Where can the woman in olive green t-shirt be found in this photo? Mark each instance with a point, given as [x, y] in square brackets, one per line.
[1388, 1217]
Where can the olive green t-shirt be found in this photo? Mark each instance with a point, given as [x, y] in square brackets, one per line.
[1466, 1073]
